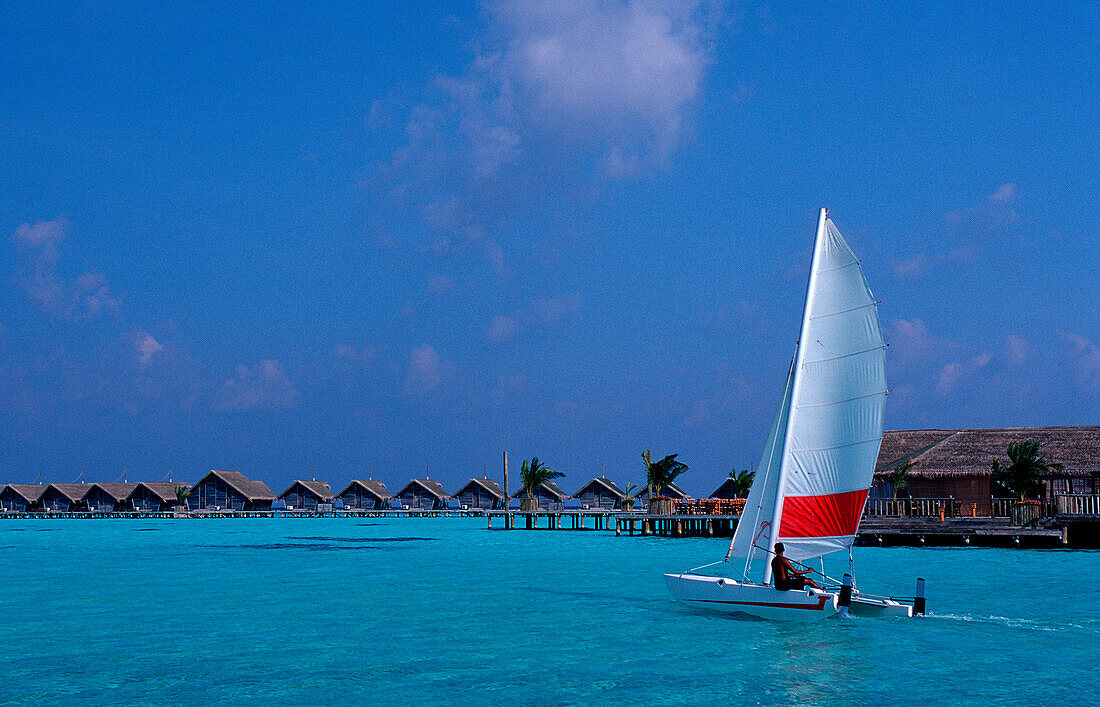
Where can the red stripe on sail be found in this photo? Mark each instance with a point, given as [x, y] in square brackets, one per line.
[828, 516]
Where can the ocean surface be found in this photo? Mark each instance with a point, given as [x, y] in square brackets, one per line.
[411, 610]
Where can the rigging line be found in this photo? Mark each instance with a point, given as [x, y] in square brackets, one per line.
[839, 446]
[847, 355]
[841, 402]
[844, 311]
[839, 267]
[802, 564]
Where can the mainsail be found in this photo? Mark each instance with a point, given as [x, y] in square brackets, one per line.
[818, 462]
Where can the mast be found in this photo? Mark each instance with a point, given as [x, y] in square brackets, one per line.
[777, 513]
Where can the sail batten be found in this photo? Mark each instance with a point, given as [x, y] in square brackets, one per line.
[821, 451]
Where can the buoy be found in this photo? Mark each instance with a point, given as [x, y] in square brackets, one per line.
[845, 596]
[918, 601]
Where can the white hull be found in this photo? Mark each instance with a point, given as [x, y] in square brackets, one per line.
[733, 597]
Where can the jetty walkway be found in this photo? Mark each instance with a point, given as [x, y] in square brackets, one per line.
[1066, 530]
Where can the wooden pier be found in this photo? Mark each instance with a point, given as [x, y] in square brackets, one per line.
[985, 532]
[1079, 529]
[630, 523]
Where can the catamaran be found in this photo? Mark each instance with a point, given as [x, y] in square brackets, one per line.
[819, 458]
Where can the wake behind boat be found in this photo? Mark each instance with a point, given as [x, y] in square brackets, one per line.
[817, 467]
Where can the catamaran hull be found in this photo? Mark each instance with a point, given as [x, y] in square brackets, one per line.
[732, 597]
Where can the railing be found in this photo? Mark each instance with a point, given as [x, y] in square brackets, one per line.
[912, 507]
[1078, 504]
[1001, 507]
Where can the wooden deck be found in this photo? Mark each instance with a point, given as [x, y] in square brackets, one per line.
[1077, 526]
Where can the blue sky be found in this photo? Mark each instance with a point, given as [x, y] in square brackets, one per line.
[289, 236]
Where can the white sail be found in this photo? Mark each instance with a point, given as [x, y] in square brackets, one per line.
[821, 454]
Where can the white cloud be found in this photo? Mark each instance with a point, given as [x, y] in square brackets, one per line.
[619, 73]
[147, 347]
[264, 386]
[553, 89]
[347, 351]
[1084, 356]
[911, 341]
[427, 371]
[544, 313]
[501, 329]
[954, 373]
[1016, 350]
[43, 234]
[1004, 194]
[86, 296]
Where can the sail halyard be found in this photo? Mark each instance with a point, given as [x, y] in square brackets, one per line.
[799, 356]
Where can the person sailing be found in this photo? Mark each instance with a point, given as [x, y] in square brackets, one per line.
[786, 576]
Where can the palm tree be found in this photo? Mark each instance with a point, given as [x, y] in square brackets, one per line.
[1022, 477]
[899, 477]
[659, 474]
[627, 504]
[182, 493]
[742, 482]
[534, 474]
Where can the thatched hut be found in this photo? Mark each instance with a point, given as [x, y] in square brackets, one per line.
[22, 498]
[481, 493]
[155, 496]
[65, 497]
[600, 493]
[671, 491]
[549, 496]
[727, 490]
[424, 494]
[366, 494]
[108, 496]
[307, 495]
[230, 490]
[958, 463]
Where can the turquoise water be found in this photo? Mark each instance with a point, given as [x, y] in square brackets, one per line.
[430, 610]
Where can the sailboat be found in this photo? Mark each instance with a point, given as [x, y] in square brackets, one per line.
[819, 458]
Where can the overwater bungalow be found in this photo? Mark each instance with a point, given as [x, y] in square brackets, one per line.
[230, 490]
[549, 496]
[601, 493]
[727, 490]
[957, 464]
[481, 493]
[65, 497]
[671, 491]
[154, 496]
[307, 495]
[425, 494]
[22, 498]
[366, 494]
[108, 496]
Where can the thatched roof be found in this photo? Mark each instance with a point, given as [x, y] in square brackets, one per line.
[606, 485]
[73, 492]
[118, 491]
[318, 488]
[28, 492]
[164, 490]
[488, 485]
[250, 489]
[671, 491]
[432, 486]
[549, 487]
[726, 490]
[372, 486]
[947, 453]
